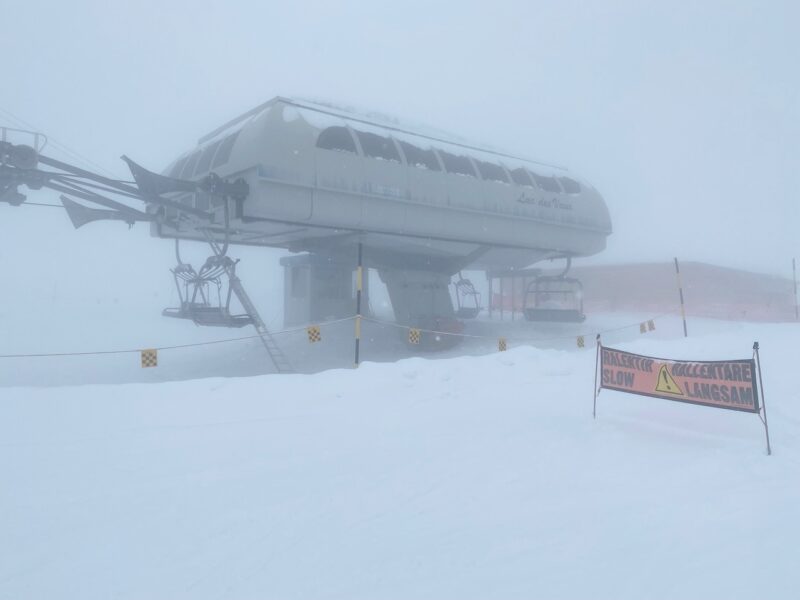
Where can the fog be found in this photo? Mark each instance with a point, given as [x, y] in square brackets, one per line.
[684, 117]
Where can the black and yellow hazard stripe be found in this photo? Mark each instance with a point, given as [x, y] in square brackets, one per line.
[359, 287]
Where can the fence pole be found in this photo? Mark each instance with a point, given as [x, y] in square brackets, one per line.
[359, 285]
[502, 298]
[680, 291]
[513, 296]
[491, 293]
[794, 279]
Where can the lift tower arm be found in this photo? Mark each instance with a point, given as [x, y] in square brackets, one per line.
[20, 164]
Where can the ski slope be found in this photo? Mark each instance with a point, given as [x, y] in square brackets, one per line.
[468, 477]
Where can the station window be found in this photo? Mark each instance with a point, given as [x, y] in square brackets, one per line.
[417, 157]
[178, 167]
[570, 185]
[337, 138]
[188, 168]
[204, 164]
[521, 177]
[224, 152]
[548, 184]
[491, 171]
[457, 164]
[377, 146]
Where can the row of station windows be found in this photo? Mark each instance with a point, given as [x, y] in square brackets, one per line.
[377, 146]
[212, 156]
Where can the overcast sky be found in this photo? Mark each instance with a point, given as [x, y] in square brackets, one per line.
[683, 114]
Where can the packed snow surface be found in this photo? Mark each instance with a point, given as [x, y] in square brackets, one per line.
[470, 477]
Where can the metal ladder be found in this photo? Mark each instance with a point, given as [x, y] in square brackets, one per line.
[282, 364]
[276, 355]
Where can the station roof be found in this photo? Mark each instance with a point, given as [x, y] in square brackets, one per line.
[319, 112]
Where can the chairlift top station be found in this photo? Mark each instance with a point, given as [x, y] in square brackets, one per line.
[321, 178]
[325, 182]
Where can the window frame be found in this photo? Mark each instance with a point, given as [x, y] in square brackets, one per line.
[225, 149]
[397, 158]
[416, 165]
[492, 165]
[531, 183]
[442, 153]
[351, 136]
[191, 164]
[536, 177]
[569, 181]
[207, 157]
[177, 168]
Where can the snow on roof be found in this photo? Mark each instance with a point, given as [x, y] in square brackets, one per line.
[379, 119]
[322, 115]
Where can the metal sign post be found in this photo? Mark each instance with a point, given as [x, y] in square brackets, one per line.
[596, 366]
[794, 279]
[763, 413]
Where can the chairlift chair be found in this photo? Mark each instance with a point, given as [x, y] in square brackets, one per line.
[555, 299]
[468, 299]
[195, 291]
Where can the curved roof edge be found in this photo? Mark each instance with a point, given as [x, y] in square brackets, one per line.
[383, 122]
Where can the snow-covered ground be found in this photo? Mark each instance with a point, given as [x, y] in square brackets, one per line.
[467, 477]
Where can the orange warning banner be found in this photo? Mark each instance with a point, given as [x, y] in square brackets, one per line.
[727, 384]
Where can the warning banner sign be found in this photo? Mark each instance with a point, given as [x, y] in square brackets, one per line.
[727, 384]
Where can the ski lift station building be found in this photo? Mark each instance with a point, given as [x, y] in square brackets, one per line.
[422, 205]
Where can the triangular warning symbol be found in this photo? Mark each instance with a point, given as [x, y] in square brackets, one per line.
[666, 383]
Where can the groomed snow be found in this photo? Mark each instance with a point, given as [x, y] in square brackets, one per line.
[471, 477]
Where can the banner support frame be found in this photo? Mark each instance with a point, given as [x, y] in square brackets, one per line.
[596, 367]
[761, 392]
[794, 280]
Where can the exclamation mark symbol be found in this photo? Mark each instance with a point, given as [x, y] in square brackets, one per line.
[666, 381]
[666, 384]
